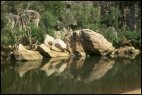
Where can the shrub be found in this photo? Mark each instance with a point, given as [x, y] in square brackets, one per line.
[49, 19]
[134, 36]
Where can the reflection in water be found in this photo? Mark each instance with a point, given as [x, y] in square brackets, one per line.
[26, 66]
[72, 75]
[55, 65]
[99, 69]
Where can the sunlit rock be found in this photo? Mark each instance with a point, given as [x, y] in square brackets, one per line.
[86, 40]
[74, 44]
[48, 40]
[60, 44]
[126, 52]
[21, 53]
[46, 51]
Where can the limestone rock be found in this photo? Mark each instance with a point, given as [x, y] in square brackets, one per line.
[95, 42]
[46, 51]
[53, 47]
[74, 44]
[48, 40]
[88, 41]
[21, 53]
[60, 44]
[126, 51]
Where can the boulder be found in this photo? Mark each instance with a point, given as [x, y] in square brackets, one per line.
[48, 40]
[95, 42]
[88, 41]
[74, 45]
[126, 51]
[46, 51]
[54, 48]
[21, 53]
[60, 44]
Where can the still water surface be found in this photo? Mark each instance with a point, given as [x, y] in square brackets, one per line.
[71, 75]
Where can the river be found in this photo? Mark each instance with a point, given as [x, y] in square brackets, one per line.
[93, 74]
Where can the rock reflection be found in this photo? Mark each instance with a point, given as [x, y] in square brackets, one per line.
[100, 69]
[73, 68]
[78, 69]
[88, 70]
[55, 66]
[26, 66]
[72, 75]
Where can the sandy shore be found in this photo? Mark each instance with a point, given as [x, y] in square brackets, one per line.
[137, 91]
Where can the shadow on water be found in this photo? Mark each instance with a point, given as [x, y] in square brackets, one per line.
[71, 75]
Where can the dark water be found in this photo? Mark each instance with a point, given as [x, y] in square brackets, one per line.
[71, 75]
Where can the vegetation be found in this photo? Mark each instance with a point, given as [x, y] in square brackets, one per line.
[99, 16]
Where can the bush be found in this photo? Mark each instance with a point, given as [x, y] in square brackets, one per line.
[10, 36]
[49, 19]
[134, 36]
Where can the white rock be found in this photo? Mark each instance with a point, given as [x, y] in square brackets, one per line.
[60, 44]
[48, 40]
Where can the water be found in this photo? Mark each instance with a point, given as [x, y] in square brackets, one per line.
[71, 75]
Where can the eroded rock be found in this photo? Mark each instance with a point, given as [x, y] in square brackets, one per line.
[48, 40]
[88, 41]
[21, 53]
[46, 51]
[126, 51]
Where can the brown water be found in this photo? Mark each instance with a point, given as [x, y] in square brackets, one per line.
[71, 75]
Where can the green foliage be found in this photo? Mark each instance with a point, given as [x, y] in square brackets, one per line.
[110, 35]
[85, 15]
[38, 33]
[10, 36]
[49, 19]
[134, 36]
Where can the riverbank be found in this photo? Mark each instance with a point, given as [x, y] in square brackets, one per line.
[137, 91]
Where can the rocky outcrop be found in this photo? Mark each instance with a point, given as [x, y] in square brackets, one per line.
[86, 40]
[46, 51]
[126, 51]
[21, 53]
